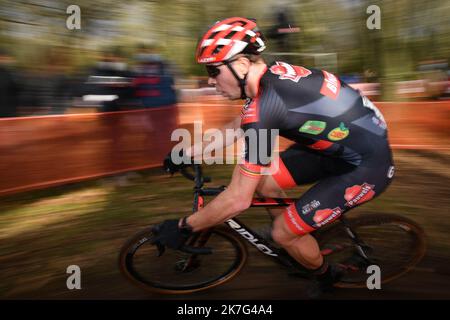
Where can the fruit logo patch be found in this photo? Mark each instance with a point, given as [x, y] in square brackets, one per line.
[339, 133]
[290, 72]
[358, 194]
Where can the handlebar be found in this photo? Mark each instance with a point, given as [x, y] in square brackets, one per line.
[199, 180]
[198, 175]
[186, 174]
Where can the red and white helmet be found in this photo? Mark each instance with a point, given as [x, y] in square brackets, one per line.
[228, 38]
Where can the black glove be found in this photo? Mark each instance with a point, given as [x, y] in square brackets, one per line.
[169, 234]
[170, 167]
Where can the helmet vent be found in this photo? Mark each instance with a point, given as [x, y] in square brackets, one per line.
[217, 49]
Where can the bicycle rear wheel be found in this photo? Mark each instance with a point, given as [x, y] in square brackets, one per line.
[176, 272]
[395, 244]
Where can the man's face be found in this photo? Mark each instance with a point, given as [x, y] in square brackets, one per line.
[225, 82]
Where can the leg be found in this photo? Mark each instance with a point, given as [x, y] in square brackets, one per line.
[298, 166]
[323, 204]
[341, 187]
[273, 186]
[268, 187]
[304, 249]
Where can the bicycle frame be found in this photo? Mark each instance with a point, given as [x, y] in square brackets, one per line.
[280, 255]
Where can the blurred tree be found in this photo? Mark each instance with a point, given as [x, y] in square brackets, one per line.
[411, 30]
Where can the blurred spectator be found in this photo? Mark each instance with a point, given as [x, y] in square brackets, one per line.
[370, 75]
[9, 89]
[283, 26]
[109, 82]
[435, 76]
[153, 83]
[59, 86]
[46, 87]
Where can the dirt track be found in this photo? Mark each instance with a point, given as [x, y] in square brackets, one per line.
[37, 245]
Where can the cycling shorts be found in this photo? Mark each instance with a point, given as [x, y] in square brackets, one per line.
[339, 186]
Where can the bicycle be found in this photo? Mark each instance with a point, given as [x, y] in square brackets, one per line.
[392, 242]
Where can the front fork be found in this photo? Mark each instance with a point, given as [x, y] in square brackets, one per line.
[362, 248]
[200, 238]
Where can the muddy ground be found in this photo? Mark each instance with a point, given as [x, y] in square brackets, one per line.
[85, 224]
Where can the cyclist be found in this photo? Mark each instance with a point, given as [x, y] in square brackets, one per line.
[340, 144]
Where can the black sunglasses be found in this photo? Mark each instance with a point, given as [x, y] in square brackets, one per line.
[214, 71]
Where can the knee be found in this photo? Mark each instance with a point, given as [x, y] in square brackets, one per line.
[266, 189]
[279, 237]
[280, 234]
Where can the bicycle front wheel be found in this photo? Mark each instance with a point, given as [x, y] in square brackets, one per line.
[395, 244]
[176, 272]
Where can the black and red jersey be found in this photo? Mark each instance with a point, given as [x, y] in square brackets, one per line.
[314, 109]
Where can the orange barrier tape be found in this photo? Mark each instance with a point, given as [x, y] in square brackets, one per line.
[38, 152]
[411, 125]
[417, 125]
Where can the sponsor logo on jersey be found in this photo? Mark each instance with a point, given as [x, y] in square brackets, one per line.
[330, 86]
[369, 104]
[289, 72]
[322, 217]
[246, 106]
[249, 112]
[310, 207]
[320, 145]
[293, 220]
[379, 123]
[391, 172]
[358, 194]
[339, 133]
[313, 127]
